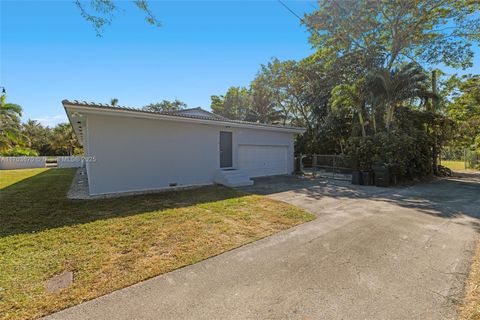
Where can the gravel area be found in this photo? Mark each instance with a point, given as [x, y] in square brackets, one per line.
[79, 186]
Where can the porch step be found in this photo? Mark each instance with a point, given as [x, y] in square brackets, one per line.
[233, 178]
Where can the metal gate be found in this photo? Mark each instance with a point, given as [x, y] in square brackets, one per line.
[328, 166]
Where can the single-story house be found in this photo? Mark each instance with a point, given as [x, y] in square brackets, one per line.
[130, 150]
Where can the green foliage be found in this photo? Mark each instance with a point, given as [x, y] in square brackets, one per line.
[352, 98]
[64, 140]
[464, 109]
[165, 105]
[18, 151]
[389, 89]
[407, 148]
[39, 137]
[10, 134]
[235, 104]
[44, 141]
[407, 155]
[263, 108]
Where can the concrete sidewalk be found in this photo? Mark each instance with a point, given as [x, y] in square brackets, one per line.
[398, 253]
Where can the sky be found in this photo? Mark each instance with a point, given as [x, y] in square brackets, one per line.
[48, 52]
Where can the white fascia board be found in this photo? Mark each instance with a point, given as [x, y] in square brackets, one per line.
[143, 115]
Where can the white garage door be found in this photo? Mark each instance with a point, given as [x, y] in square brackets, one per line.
[262, 160]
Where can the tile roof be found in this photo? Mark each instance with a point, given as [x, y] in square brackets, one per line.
[184, 113]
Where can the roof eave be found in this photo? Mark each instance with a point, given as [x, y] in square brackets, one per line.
[150, 115]
[80, 137]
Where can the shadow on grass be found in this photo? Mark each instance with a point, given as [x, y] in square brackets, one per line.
[39, 203]
[448, 198]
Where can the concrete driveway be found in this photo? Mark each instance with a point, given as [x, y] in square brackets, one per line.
[372, 253]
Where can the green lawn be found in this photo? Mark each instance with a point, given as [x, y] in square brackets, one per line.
[455, 165]
[113, 243]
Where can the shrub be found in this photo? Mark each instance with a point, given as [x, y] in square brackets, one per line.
[18, 151]
[408, 148]
[408, 155]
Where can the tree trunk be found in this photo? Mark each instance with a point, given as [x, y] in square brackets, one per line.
[388, 117]
[362, 123]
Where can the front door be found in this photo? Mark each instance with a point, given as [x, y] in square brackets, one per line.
[225, 149]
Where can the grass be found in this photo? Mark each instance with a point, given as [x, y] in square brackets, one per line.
[455, 165]
[470, 310]
[113, 243]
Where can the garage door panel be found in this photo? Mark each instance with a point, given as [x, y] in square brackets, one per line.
[262, 160]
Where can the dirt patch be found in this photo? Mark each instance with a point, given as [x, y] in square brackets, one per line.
[471, 306]
[59, 282]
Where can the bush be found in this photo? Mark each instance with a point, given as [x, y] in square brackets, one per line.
[408, 155]
[408, 148]
[18, 151]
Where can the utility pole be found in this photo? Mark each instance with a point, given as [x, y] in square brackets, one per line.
[434, 110]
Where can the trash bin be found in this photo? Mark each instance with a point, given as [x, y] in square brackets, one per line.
[357, 177]
[298, 164]
[382, 175]
[367, 178]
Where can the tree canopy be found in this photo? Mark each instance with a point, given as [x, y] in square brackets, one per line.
[10, 114]
[421, 31]
[165, 105]
[235, 104]
[464, 109]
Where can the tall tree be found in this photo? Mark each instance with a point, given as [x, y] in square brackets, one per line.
[114, 102]
[165, 105]
[39, 137]
[352, 98]
[263, 108]
[464, 109]
[235, 104]
[275, 77]
[424, 31]
[391, 88]
[64, 139]
[10, 133]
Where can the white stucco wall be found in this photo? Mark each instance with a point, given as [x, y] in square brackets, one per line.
[10, 163]
[70, 162]
[133, 154]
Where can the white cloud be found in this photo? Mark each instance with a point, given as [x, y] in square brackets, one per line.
[52, 121]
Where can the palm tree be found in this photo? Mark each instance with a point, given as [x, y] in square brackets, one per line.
[10, 114]
[39, 137]
[64, 138]
[390, 89]
[114, 102]
[353, 98]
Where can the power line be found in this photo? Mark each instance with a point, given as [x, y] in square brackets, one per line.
[309, 27]
[291, 11]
